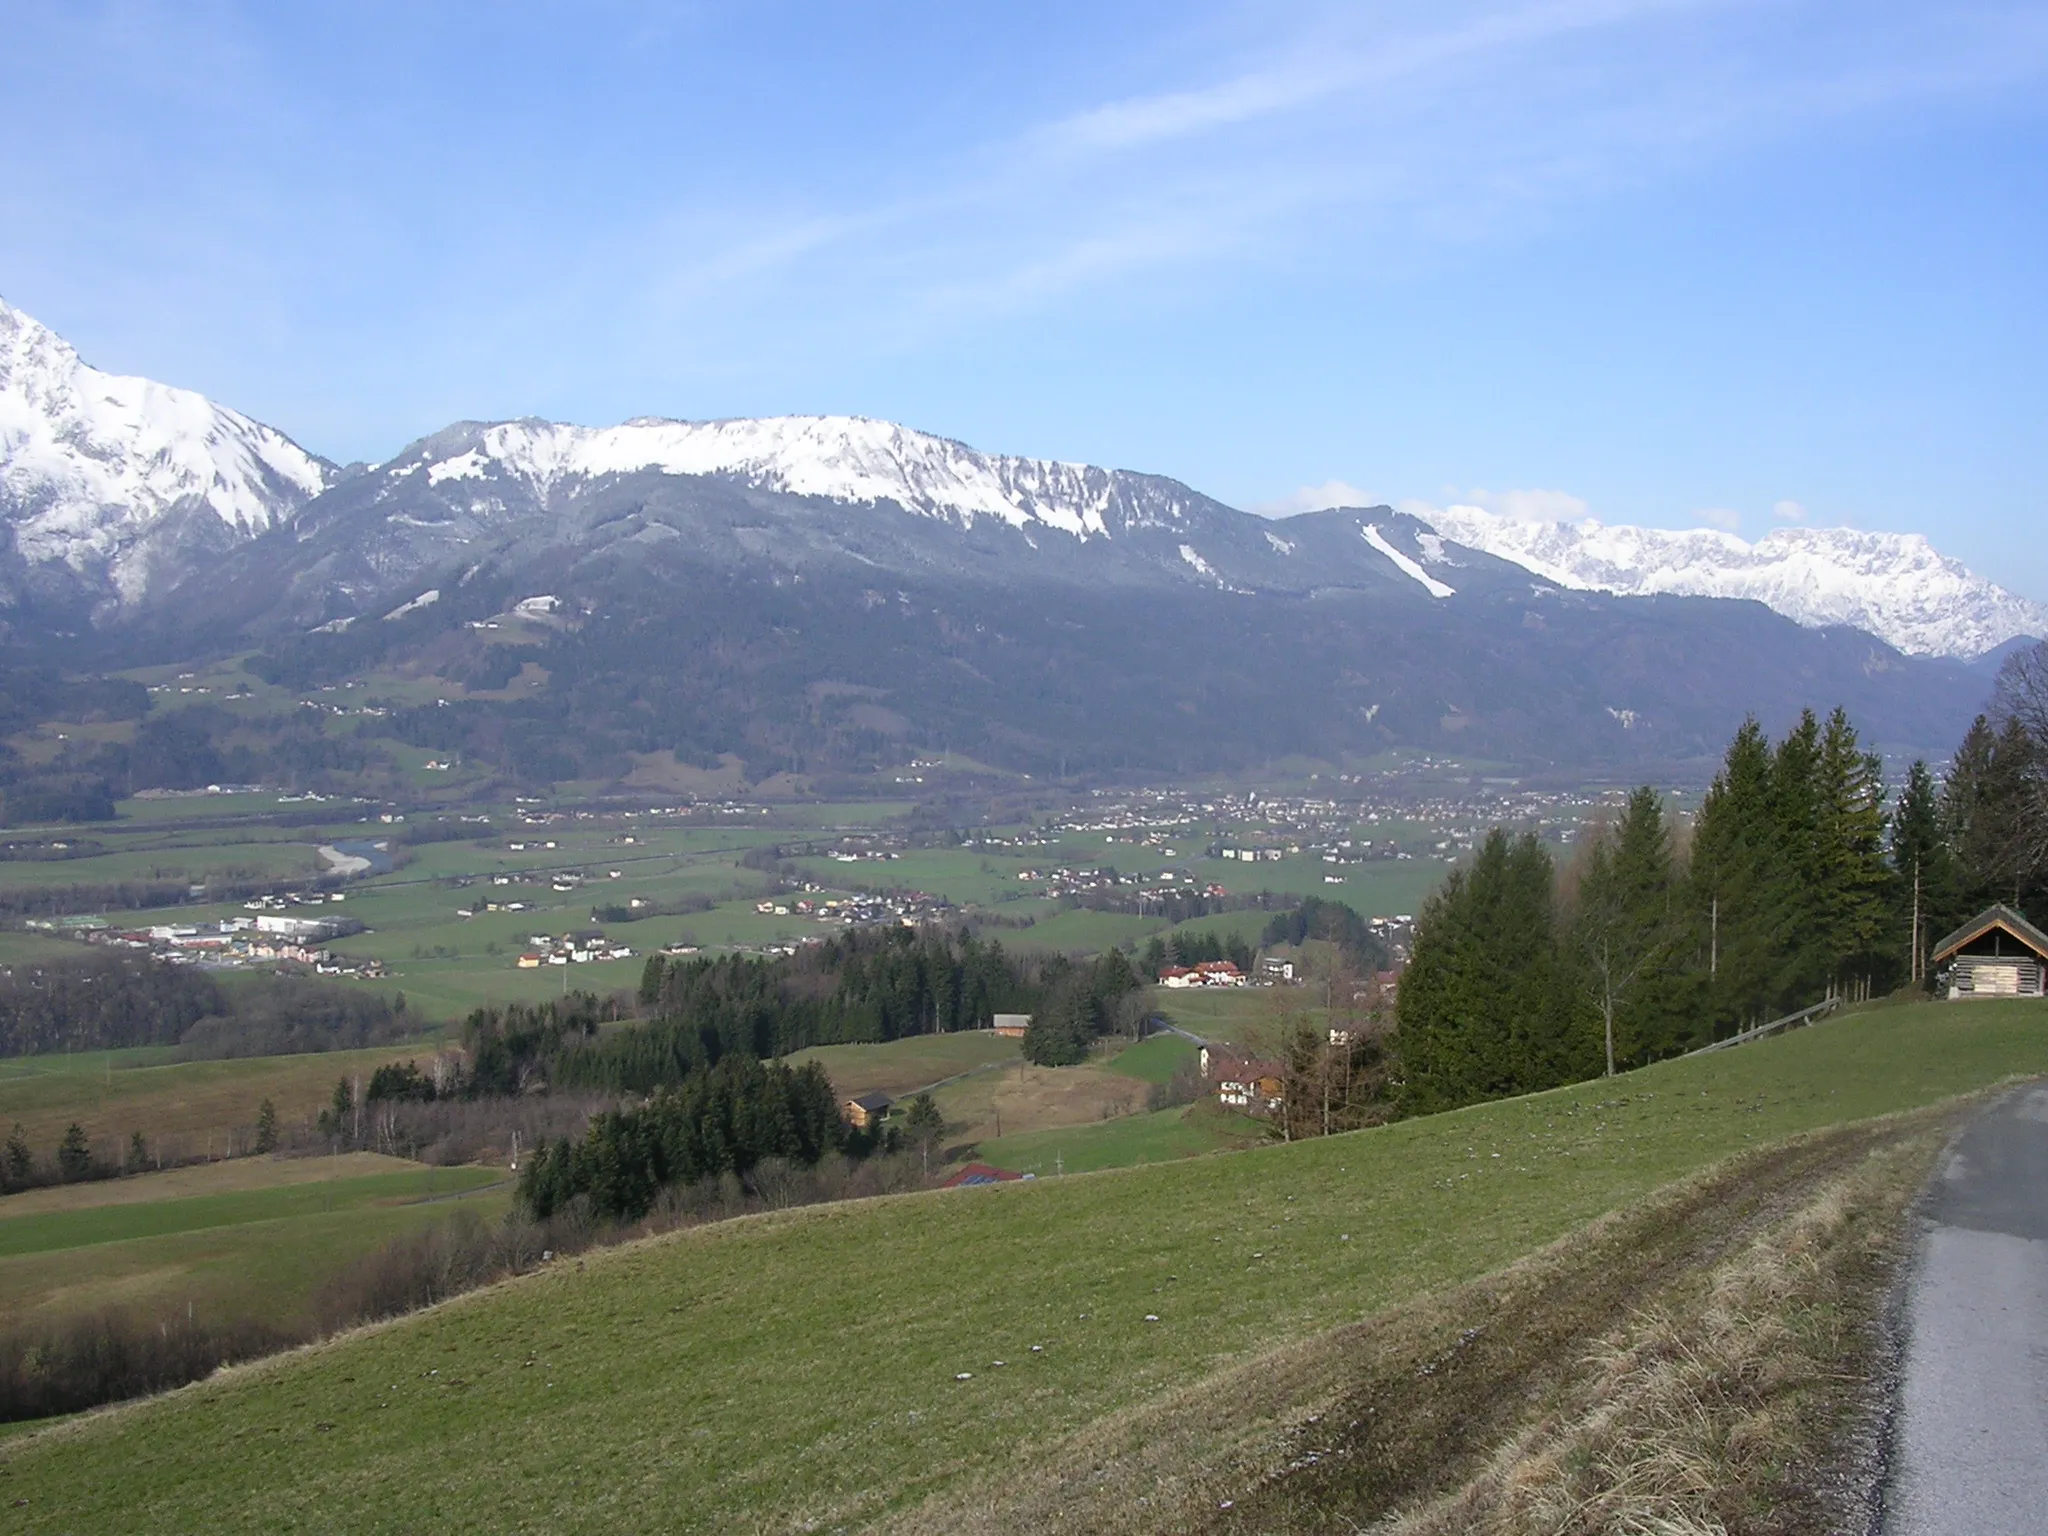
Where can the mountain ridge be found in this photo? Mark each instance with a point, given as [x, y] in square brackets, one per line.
[113, 485]
[1893, 585]
[128, 495]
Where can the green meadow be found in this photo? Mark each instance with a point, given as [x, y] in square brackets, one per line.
[249, 1239]
[49, 1231]
[1128, 1141]
[1153, 1060]
[829, 1366]
[900, 1067]
[113, 1094]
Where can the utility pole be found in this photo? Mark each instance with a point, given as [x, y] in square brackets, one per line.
[1915, 941]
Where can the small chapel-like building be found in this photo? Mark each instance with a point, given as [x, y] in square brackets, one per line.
[1997, 953]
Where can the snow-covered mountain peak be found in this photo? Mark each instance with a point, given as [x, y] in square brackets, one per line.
[92, 463]
[835, 458]
[1896, 586]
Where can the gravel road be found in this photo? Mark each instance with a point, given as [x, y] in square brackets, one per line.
[1969, 1453]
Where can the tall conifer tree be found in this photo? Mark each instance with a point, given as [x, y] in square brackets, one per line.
[1734, 848]
[1852, 877]
[1924, 879]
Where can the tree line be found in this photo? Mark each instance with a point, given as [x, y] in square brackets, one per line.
[109, 1000]
[724, 1119]
[1801, 878]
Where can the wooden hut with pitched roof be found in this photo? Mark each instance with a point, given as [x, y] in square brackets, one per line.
[1997, 953]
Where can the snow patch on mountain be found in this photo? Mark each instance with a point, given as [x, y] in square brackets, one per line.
[91, 463]
[1406, 564]
[1896, 586]
[835, 458]
[425, 600]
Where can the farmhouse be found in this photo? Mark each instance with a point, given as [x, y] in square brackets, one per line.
[868, 1110]
[1210, 973]
[1255, 1087]
[1997, 953]
[1011, 1026]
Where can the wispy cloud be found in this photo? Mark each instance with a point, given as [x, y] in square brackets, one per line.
[1727, 519]
[1316, 498]
[1410, 129]
[1788, 512]
[1532, 506]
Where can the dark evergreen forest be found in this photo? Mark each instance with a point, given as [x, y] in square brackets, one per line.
[1801, 878]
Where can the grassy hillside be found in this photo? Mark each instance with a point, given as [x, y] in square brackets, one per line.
[253, 1238]
[1124, 1142]
[188, 1105]
[899, 1067]
[806, 1368]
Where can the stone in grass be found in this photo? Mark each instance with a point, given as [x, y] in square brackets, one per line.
[1151, 1317]
[964, 1376]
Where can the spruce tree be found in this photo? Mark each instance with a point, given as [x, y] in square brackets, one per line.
[1985, 806]
[1486, 1008]
[74, 1154]
[1924, 880]
[1853, 879]
[1734, 891]
[1795, 892]
[1625, 936]
[20, 1160]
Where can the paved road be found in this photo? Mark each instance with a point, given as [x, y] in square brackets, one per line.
[1969, 1455]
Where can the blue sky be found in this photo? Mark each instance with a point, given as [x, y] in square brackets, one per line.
[1671, 261]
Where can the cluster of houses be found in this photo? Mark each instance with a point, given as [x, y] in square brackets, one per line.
[1422, 809]
[570, 949]
[236, 942]
[1164, 885]
[909, 908]
[1210, 973]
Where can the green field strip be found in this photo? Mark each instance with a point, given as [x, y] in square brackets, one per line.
[1154, 1060]
[52, 1231]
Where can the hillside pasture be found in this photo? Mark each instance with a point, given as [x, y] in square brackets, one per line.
[726, 1377]
[1255, 1020]
[252, 1239]
[183, 1108]
[901, 1067]
[1153, 1060]
[1129, 1141]
[1024, 1097]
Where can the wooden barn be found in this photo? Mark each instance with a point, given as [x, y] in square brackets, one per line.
[1997, 953]
[867, 1111]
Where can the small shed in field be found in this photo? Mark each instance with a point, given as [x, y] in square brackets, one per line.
[1011, 1025]
[1997, 953]
[868, 1111]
